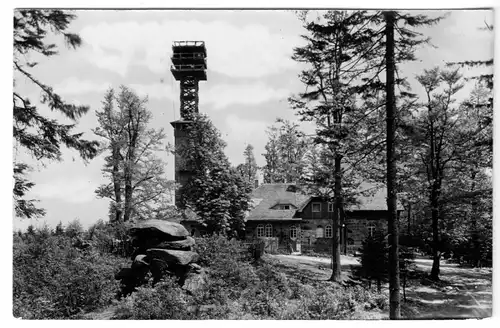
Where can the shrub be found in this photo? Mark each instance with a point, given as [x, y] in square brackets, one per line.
[212, 249]
[53, 279]
[374, 258]
[239, 288]
[165, 301]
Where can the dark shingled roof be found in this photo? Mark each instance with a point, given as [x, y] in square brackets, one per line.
[266, 196]
[371, 198]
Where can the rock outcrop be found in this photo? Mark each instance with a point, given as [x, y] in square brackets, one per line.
[161, 248]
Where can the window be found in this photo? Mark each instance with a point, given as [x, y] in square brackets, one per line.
[371, 229]
[330, 207]
[260, 230]
[284, 207]
[316, 207]
[319, 232]
[269, 230]
[328, 231]
[293, 232]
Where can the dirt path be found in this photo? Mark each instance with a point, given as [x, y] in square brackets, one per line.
[461, 293]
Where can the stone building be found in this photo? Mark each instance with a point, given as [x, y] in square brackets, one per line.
[285, 214]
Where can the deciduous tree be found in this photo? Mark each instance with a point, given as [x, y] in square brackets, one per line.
[284, 153]
[138, 185]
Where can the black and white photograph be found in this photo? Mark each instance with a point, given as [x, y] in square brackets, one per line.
[251, 164]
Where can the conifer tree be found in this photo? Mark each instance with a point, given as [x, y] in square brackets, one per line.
[339, 57]
[216, 192]
[250, 166]
[40, 136]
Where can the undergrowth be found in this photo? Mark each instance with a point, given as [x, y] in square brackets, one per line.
[237, 287]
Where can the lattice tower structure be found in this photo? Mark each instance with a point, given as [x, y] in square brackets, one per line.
[189, 66]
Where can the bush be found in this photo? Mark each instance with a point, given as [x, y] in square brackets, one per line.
[374, 258]
[165, 301]
[53, 279]
[215, 248]
[239, 288]
[111, 238]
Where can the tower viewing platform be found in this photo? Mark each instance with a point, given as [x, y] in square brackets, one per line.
[189, 66]
[189, 59]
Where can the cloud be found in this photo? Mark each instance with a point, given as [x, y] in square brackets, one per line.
[240, 129]
[75, 86]
[239, 132]
[237, 51]
[220, 96]
[155, 91]
[225, 95]
[78, 190]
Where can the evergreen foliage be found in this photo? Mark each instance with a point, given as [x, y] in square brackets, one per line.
[40, 136]
[55, 279]
[374, 259]
[216, 192]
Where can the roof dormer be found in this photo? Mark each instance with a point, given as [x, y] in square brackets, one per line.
[283, 205]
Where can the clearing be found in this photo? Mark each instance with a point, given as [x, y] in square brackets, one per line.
[461, 293]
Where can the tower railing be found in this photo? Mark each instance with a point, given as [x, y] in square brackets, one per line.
[187, 67]
[188, 44]
[188, 55]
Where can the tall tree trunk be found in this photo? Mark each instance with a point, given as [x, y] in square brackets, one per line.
[128, 193]
[404, 286]
[117, 183]
[336, 267]
[436, 253]
[129, 175]
[394, 302]
[474, 229]
[409, 219]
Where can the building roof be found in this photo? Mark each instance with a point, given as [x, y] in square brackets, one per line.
[371, 198]
[267, 196]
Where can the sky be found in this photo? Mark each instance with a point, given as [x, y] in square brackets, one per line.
[250, 76]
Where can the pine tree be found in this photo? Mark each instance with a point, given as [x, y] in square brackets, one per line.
[374, 260]
[250, 166]
[216, 192]
[40, 136]
[339, 56]
[487, 79]
[400, 44]
[392, 222]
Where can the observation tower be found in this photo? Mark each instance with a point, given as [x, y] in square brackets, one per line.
[189, 67]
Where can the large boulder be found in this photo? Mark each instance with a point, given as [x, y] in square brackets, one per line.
[140, 261]
[172, 256]
[124, 273]
[163, 230]
[183, 245]
[194, 267]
